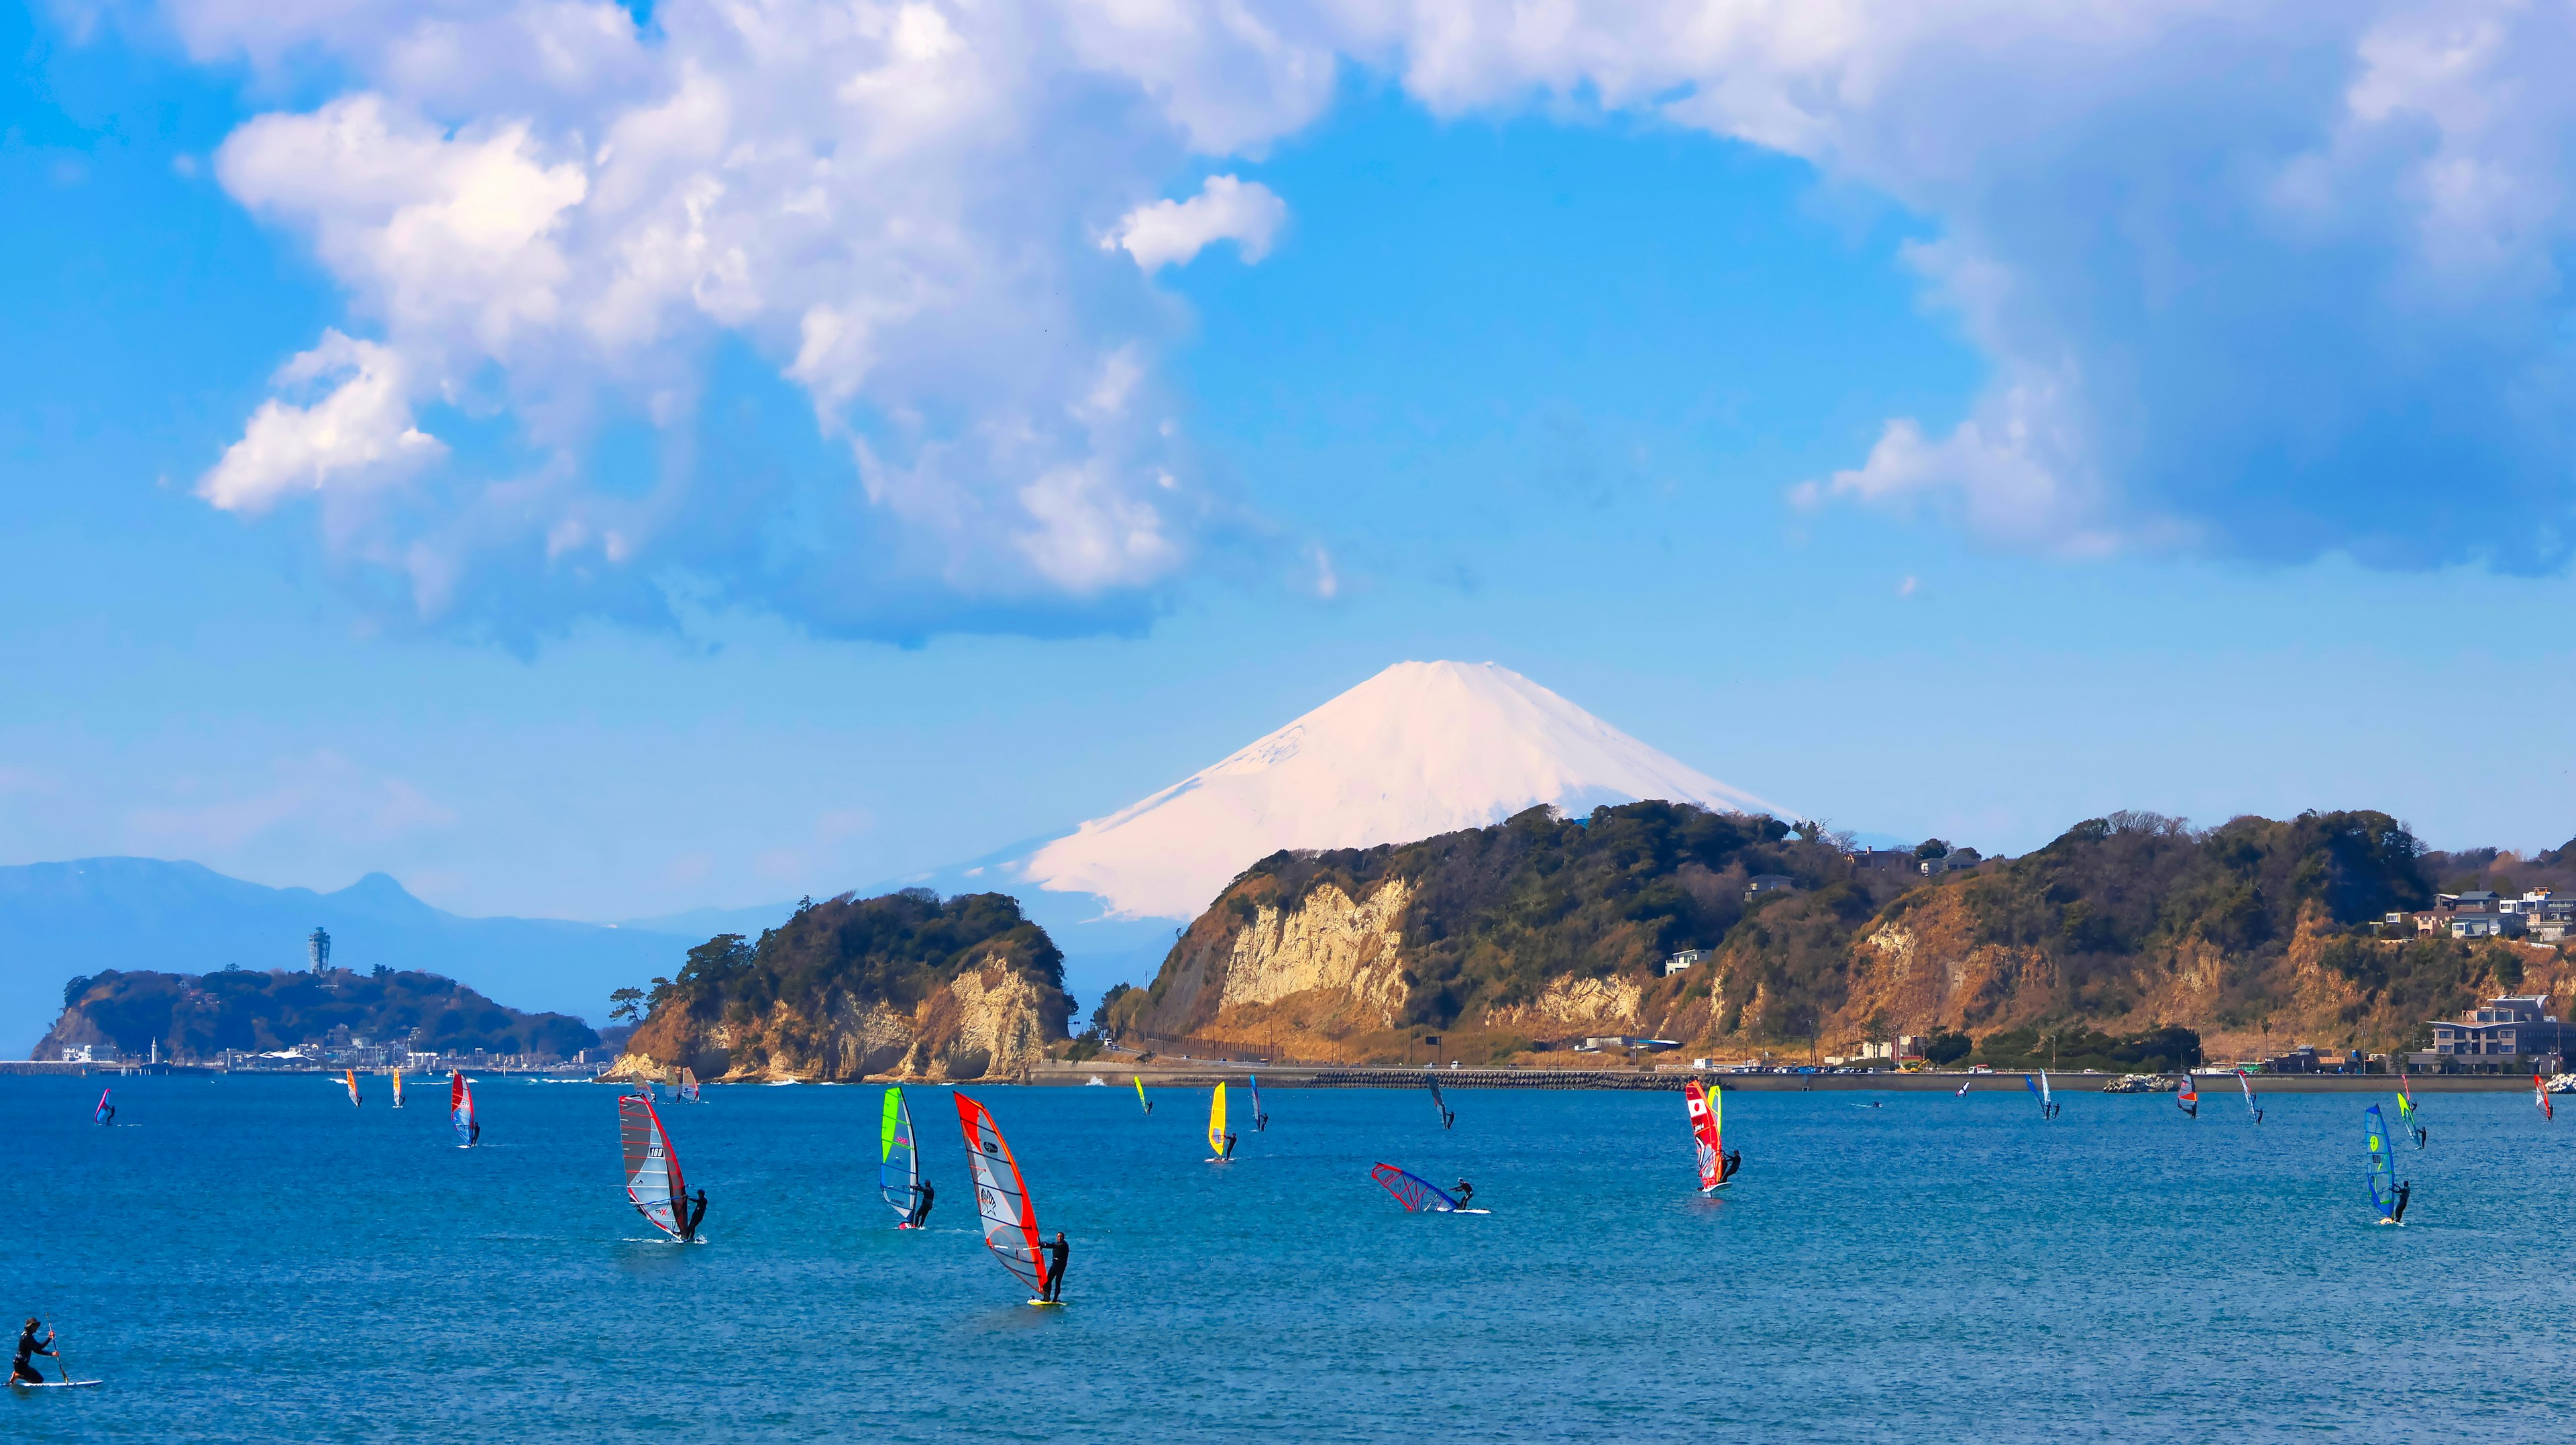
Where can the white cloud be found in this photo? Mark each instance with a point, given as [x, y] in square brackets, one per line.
[1172, 233]
[360, 434]
[2270, 277]
[322, 797]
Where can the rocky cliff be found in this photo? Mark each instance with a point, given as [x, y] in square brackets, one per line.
[2118, 942]
[905, 986]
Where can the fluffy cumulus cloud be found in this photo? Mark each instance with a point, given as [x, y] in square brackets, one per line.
[1172, 233]
[2265, 278]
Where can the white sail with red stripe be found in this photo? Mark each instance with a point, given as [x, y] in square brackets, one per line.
[653, 1182]
[1703, 1104]
[1010, 1220]
[460, 1108]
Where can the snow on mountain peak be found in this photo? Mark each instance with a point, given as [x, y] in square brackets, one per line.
[1419, 749]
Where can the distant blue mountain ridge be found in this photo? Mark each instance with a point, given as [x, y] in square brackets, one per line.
[59, 921]
[62, 920]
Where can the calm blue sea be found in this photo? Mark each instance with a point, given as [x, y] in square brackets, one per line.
[250, 1259]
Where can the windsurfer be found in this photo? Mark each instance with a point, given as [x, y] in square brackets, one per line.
[1727, 1166]
[1466, 1191]
[1057, 1250]
[2398, 1214]
[473, 1132]
[697, 1214]
[107, 1113]
[922, 1194]
[1226, 1151]
[24, 1372]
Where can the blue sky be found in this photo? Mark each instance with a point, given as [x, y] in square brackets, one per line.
[2010, 439]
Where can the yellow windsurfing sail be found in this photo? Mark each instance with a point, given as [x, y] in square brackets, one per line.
[1140, 1093]
[1216, 1122]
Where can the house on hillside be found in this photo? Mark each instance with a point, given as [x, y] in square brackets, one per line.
[1951, 862]
[2500, 1035]
[1761, 883]
[1682, 961]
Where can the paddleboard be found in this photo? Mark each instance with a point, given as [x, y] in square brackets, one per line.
[1466, 1211]
[53, 1384]
[1212, 1159]
[2385, 1220]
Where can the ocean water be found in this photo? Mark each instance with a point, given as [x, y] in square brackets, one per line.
[249, 1259]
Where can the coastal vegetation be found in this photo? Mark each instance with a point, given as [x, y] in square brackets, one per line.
[850, 986]
[2133, 941]
[200, 1015]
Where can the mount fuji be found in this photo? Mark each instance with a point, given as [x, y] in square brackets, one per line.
[1419, 749]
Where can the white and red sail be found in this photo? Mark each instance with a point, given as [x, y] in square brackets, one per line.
[1705, 1122]
[653, 1181]
[1010, 1220]
[460, 1108]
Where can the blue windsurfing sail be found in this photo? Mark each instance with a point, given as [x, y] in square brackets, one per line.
[1260, 1120]
[106, 1110]
[1417, 1195]
[2383, 1170]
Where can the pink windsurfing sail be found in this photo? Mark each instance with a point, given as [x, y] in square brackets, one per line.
[1010, 1221]
[1704, 1128]
[653, 1182]
[106, 1110]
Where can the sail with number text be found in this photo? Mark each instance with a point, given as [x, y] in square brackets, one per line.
[1010, 1220]
[653, 1181]
[2383, 1170]
[1706, 1129]
[460, 1108]
[1216, 1122]
[898, 1161]
[1416, 1194]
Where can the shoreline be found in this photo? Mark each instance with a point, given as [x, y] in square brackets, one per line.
[1341, 1076]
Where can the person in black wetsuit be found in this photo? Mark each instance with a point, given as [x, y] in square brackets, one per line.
[1466, 1191]
[28, 1347]
[1056, 1253]
[1227, 1152]
[697, 1214]
[2405, 1188]
[1728, 1165]
[474, 1133]
[921, 1197]
[110, 1116]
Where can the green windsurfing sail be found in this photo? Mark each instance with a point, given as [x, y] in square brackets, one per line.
[898, 1162]
[2383, 1170]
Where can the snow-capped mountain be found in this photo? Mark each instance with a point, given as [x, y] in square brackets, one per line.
[1419, 749]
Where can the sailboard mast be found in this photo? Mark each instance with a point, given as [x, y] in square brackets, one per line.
[654, 1184]
[460, 1108]
[898, 1161]
[356, 1100]
[2383, 1170]
[1216, 1121]
[1010, 1220]
[1702, 1104]
[1416, 1194]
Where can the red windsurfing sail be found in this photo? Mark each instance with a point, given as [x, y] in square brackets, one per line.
[1010, 1221]
[1703, 1106]
[653, 1181]
[1416, 1194]
[2540, 1092]
[460, 1109]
